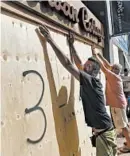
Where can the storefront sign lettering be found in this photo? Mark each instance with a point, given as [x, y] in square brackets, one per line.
[66, 9]
[81, 17]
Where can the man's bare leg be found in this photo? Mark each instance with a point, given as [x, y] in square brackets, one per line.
[127, 136]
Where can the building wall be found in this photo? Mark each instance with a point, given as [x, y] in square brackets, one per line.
[115, 54]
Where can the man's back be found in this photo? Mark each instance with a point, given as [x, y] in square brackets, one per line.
[114, 90]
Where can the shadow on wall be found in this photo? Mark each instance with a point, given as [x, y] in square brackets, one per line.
[63, 112]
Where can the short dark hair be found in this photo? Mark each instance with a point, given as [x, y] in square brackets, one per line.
[94, 60]
[96, 65]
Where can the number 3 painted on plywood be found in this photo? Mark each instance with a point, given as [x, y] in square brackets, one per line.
[36, 107]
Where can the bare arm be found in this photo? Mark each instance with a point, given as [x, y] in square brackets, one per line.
[64, 60]
[43, 31]
[103, 67]
[106, 63]
[77, 59]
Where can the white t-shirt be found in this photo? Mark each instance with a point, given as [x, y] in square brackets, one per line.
[126, 83]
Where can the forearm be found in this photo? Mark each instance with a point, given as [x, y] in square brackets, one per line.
[103, 68]
[44, 33]
[75, 55]
[64, 60]
[61, 56]
[99, 59]
[106, 63]
[76, 58]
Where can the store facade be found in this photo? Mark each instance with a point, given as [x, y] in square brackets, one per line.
[42, 112]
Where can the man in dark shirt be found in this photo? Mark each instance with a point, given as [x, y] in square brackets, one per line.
[91, 94]
[93, 101]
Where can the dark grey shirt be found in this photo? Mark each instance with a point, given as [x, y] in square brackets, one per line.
[93, 102]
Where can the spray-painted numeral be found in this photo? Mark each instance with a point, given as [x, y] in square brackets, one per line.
[36, 107]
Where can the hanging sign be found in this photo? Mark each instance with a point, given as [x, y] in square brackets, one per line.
[120, 12]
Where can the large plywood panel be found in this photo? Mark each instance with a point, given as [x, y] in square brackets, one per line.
[66, 132]
[22, 51]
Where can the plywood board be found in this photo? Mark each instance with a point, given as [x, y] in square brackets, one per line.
[66, 132]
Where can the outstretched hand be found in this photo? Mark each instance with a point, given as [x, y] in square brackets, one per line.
[94, 53]
[44, 32]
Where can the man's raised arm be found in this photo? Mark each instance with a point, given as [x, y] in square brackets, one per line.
[103, 67]
[44, 33]
[77, 59]
[106, 63]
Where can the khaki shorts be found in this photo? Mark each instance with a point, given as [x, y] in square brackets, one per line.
[119, 117]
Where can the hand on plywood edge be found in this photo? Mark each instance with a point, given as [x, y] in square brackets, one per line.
[94, 53]
[44, 33]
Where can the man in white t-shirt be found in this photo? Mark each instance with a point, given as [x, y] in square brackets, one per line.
[126, 82]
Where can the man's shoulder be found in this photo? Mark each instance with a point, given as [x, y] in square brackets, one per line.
[84, 74]
[109, 73]
[85, 79]
[115, 77]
